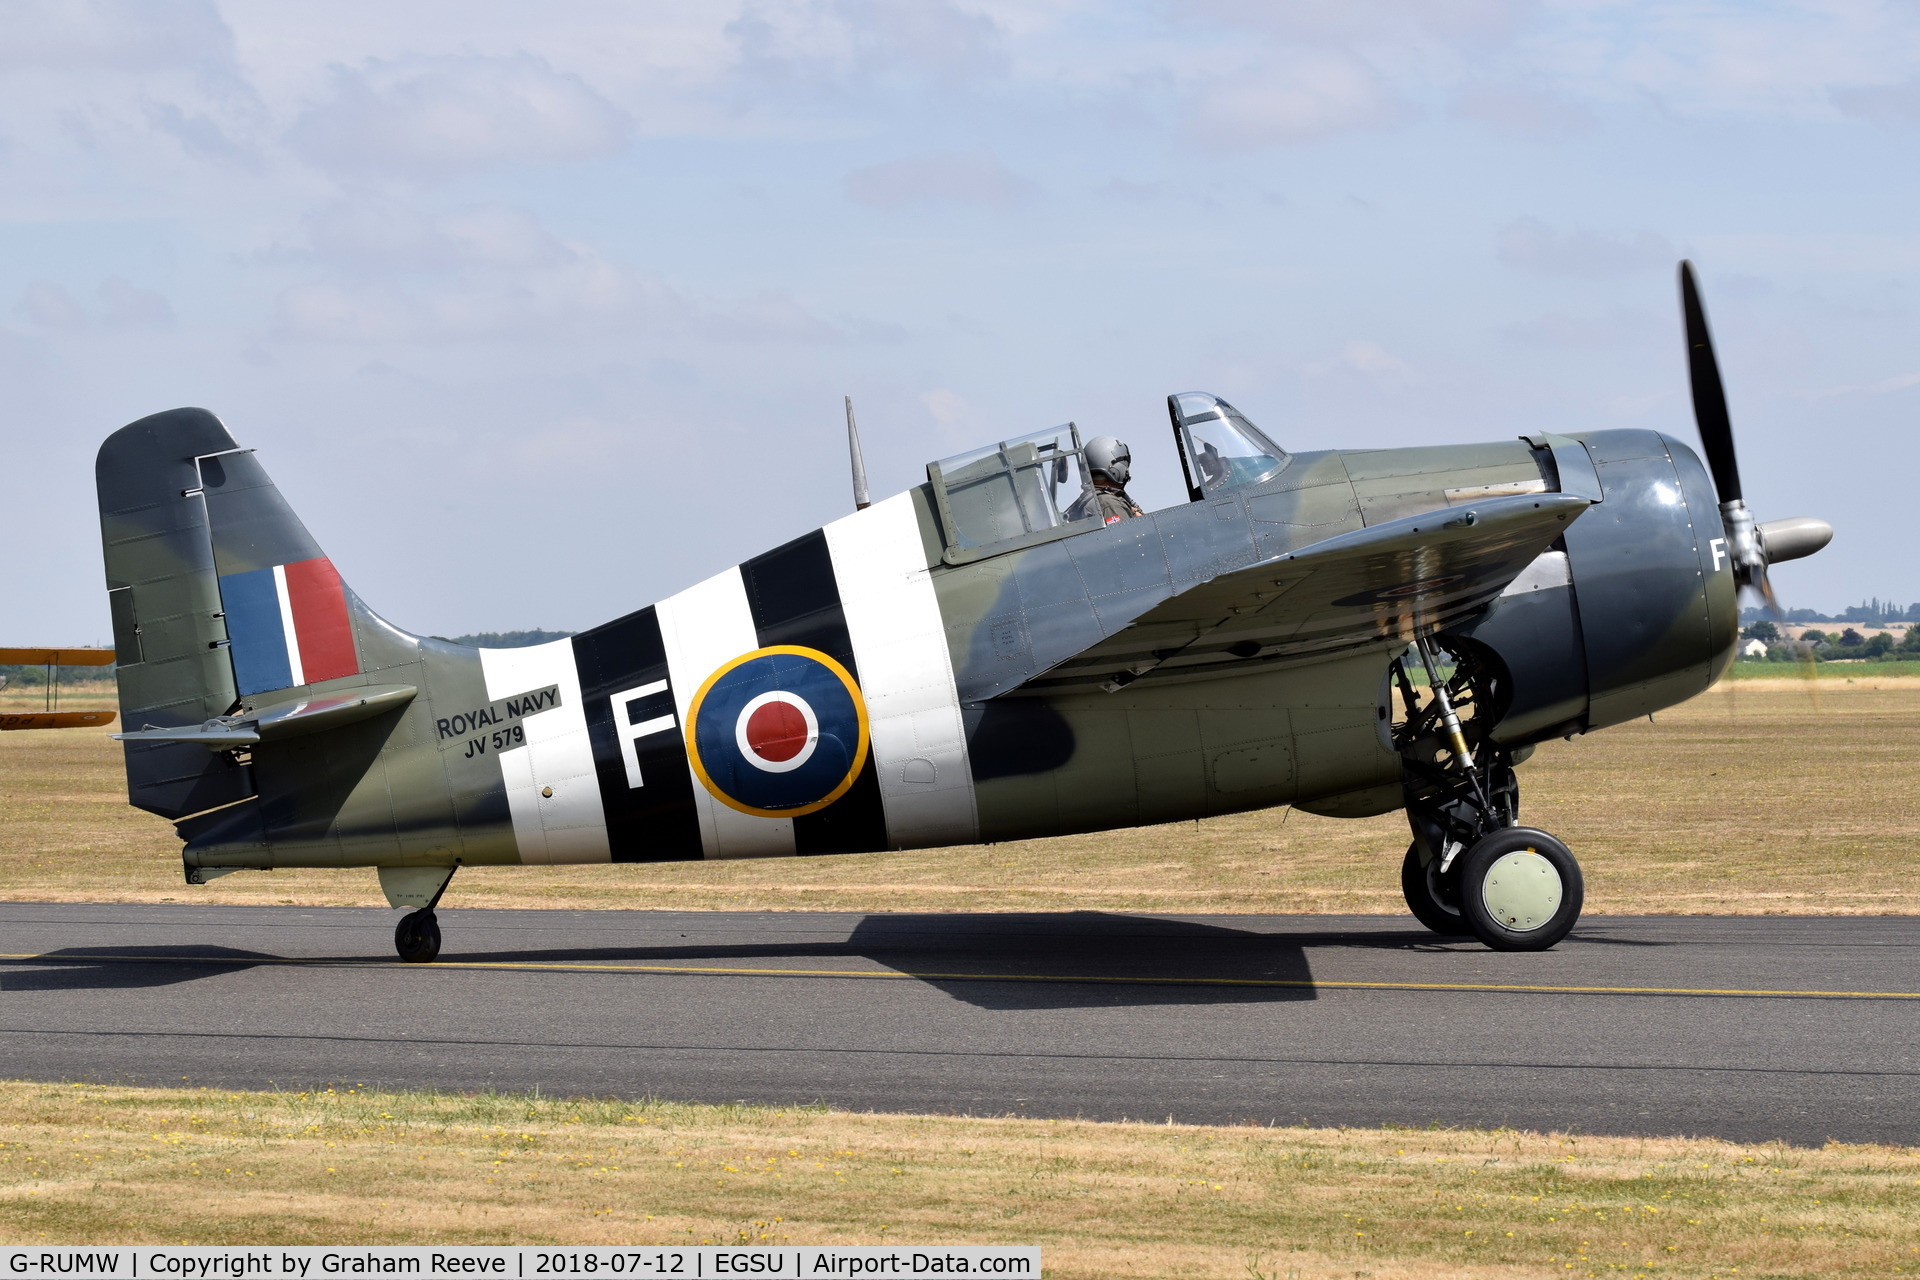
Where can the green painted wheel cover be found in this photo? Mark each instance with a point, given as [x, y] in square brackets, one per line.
[1522, 890]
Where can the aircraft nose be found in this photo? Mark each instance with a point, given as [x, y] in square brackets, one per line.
[1793, 538]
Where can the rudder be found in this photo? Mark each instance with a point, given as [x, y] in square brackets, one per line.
[168, 632]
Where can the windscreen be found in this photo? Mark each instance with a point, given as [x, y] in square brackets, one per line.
[1218, 446]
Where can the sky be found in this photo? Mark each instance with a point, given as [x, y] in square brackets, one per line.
[539, 313]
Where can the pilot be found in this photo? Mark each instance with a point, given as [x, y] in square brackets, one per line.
[1110, 463]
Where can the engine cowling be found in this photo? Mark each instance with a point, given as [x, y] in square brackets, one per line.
[1635, 608]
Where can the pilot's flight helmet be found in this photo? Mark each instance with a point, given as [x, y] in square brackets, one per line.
[1109, 457]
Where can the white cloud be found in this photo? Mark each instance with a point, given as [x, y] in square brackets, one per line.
[1775, 58]
[123, 306]
[938, 177]
[1779, 58]
[384, 234]
[1864, 248]
[199, 133]
[112, 108]
[491, 274]
[1894, 103]
[838, 44]
[117, 35]
[129, 307]
[1528, 112]
[1373, 19]
[1137, 192]
[947, 407]
[425, 117]
[51, 307]
[1375, 361]
[1297, 95]
[774, 315]
[1885, 386]
[1589, 333]
[1532, 245]
[587, 294]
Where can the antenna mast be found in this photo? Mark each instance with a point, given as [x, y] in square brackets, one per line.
[860, 500]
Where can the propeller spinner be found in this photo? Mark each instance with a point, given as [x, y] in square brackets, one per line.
[1751, 546]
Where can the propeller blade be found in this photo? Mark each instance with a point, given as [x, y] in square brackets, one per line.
[1709, 396]
[1772, 601]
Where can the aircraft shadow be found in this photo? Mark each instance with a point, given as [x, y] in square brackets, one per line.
[1084, 959]
[1040, 960]
[125, 968]
[1088, 959]
[1012, 960]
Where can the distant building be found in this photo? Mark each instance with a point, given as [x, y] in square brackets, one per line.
[1754, 649]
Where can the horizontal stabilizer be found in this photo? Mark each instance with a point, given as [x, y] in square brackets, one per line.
[1371, 586]
[285, 719]
[56, 657]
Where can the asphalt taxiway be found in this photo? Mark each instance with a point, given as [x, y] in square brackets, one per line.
[1751, 1028]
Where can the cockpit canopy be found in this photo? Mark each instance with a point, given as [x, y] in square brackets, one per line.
[1218, 446]
[1009, 495]
[1025, 491]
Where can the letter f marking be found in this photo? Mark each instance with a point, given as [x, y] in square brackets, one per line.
[630, 733]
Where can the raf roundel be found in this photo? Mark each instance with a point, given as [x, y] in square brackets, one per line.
[778, 732]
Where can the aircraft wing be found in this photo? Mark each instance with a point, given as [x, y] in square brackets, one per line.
[57, 657]
[1374, 585]
[54, 719]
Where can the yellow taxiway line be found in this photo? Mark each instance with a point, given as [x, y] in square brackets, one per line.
[558, 966]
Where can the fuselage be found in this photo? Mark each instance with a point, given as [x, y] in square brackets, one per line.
[857, 689]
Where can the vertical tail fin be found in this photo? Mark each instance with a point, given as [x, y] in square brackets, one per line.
[219, 595]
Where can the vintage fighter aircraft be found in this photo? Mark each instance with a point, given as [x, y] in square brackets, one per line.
[1348, 632]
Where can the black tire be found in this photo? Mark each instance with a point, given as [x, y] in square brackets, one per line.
[417, 937]
[1537, 912]
[1428, 898]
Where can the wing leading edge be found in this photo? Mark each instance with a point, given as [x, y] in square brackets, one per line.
[1374, 585]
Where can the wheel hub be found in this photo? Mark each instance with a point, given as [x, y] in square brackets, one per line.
[1522, 890]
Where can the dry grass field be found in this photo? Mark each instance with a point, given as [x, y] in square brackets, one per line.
[1761, 796]
[88, 1164]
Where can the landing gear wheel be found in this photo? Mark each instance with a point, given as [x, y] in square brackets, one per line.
[417, 937]
[1434, 902]
[1520, 889]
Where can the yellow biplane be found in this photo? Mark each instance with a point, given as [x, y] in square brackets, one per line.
[50, 716]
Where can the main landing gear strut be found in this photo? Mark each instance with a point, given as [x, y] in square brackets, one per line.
[1472, 869]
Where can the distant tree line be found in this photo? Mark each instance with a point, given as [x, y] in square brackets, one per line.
[19, 676]
[1873, 613]
[508, 639]
[1822, 647]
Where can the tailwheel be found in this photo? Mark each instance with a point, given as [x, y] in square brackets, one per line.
[1520, 889]
[417, 937]
[1433, 894]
